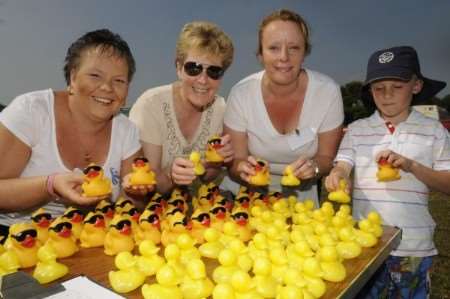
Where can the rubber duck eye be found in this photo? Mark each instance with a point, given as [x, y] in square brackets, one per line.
[60, 226]
[39, 217]
[20, 237]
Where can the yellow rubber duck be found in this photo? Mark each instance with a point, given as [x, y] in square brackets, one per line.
[61, 239]
[243, 286]
[177, 224]
[348, 248]
[41, 220]
[48, 269]
[22, 241]
[9, 262]
[243, 200]
[119, 237]
[196, 285]
[94, 230]
[76, 217]
[128, 277]
[188, 251]
[333, 269]
[223, 291]
[166, 286]
[219, 216]
[240, 217]
[142, 173]
[262, 174]
[312, 272]
[265, 284]
[150, 227]
[200, 220]
[94, 182]
[340, 195]
[149, 262]
[212, 247]
[288, 178]
[228, 265]
[195, 157]
[386, 172]
[107, 209]
[278, 257]
[212, 146]
[172, 255]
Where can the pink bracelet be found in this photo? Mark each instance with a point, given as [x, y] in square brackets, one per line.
[50, 187]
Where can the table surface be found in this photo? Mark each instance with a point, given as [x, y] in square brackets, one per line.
[94, 264]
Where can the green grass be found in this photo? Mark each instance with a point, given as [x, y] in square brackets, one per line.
[440, 276]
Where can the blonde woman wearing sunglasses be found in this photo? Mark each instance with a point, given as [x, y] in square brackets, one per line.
[179, 118]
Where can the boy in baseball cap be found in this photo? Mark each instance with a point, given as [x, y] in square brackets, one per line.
[418, 147]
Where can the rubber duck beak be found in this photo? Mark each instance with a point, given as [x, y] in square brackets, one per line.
[92, 174]
[241, 222]
[65, 233]
[110, 213]
[206, 222]
[100, 223]
[77, 218]
[28, 242]
[157, 224]
[126, 230]
[136, 216]
[245, 205]
[43, 223]
[220, 215]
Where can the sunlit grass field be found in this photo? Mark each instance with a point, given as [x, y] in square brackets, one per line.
[440, 277]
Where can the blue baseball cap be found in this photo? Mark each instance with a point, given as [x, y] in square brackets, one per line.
[398, 63]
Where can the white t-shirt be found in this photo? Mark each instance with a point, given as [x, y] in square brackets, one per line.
[322, 111]
[31, 118]
[402, 203]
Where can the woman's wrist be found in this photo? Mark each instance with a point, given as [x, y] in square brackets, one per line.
[50, 185]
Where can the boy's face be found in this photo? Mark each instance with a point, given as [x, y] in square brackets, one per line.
[393, 97]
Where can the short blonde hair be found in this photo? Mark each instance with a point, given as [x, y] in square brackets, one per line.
[287, 16]
[206, 37]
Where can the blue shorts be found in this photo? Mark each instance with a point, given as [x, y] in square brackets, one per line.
[400, 277]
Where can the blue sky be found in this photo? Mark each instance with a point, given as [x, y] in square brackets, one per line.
[35, 34]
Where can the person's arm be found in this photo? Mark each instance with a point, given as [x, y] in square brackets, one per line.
[341, 171]
[242, 166]
[326, 151]
[434, 179]
[22, 193]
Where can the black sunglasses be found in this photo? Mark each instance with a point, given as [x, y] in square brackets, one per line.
[216, 210]
[243, 199]
[130, 212]
[60, 226]
[39, 217]
[93, 167]
[154, 206]
[72, 213]
[121, 224]
[240, 215]
[194, 69]
[184, 222]
[151, 219]
[124, 203]
[94, 219]
[20, 237]
[105, 209]
[143, 159]
[201, 217]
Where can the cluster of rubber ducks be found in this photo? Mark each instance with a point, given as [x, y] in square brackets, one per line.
[291, 250]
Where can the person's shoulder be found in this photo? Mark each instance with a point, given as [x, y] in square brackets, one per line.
[363, 123]
[249, 81]
[320, 78]
[155, 94]
[39, 99]
[123, 121]
[422, 121]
